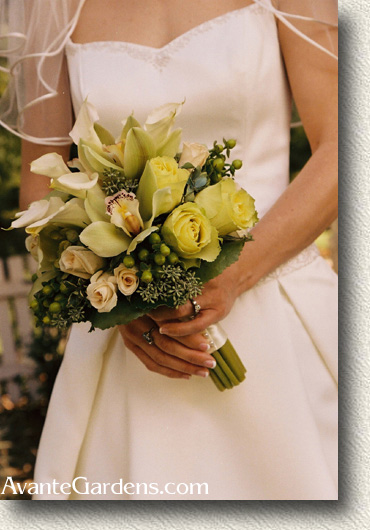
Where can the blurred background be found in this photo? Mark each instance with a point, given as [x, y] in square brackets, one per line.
[29, 357]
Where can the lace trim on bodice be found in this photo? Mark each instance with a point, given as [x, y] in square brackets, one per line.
[307, 256]
[159, 57]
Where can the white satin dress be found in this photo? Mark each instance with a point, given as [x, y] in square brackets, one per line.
[274, 437]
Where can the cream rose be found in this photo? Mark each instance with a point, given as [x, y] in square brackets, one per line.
[193, 153]
[80, 261]
[102, 292]
[228, 206]
[126, 279]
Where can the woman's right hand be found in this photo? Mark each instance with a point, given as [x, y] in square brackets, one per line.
[178, 359]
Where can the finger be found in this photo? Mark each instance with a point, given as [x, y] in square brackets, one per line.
[198, 342]
[152, 366]
[181, 329]
[167, 360]
[167, 313]
[176, 349]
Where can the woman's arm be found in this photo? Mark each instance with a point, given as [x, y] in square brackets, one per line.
[303, 211]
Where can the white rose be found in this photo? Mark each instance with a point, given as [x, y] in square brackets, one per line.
[80, 261]
[126, 279]
[32, 243]
[194, 153]
[102, 292]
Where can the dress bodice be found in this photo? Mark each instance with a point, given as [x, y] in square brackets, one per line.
[231, 74]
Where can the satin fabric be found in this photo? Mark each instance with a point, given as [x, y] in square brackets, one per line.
[274, 437]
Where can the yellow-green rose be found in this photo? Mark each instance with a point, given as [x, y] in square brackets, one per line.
[161, 187]
[228, 206]
[188, 231]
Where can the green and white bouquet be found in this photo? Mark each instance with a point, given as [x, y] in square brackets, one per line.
[134, 223]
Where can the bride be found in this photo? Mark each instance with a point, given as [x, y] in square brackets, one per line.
[127, 412]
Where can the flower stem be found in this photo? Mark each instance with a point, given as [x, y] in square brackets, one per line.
[216, 381]
[225, 368]
[223, 378]
[232, 360]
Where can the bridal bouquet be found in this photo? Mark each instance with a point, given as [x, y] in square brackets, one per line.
[132, 224]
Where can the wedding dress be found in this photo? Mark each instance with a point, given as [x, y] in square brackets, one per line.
[274, 437]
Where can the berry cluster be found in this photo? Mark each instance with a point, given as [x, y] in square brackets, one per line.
[216, 166]
[61, 301]
[150, 257]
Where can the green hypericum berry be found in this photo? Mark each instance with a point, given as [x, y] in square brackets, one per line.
[164, 250]
[159, 259]
[46, 303]
[55, 307]
[46, 320]
[231, 144]
[59, 298]
[218, 164]
[34, 305]
[216, 177]
[55, 234]
[128, 262]
[147, 276]
[219, 148]
[237, 164]
[34, 277]
[143, 254]
[154, 238]
[47, 290]
[72, 235]
[173, 258]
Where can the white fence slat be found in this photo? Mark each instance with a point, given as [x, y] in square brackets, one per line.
[15, 323]
[6, 334]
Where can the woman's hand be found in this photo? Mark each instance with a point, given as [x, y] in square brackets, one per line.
[217, 299]
[169, 357]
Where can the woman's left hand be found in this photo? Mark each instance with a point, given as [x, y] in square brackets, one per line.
[217, 298]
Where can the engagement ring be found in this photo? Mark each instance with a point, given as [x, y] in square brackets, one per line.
[148, 336]
[196, 309]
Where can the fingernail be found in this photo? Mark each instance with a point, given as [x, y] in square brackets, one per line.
[202, 373]
[210, 364]
[185, 376]
[162, 331]
[204, 346]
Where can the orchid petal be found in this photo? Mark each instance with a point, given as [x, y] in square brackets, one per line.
[140, 237]
[139, 148]
[104, 239]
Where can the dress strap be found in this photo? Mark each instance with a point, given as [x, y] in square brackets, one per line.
[284, 16]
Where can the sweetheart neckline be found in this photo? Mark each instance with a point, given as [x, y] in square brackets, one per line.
[179, 38]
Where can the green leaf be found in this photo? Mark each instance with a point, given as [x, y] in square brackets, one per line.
[229, 254]
[123, 313]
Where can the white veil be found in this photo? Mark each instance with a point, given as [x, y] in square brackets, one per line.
[33, 34]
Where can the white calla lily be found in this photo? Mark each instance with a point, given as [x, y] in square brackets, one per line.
[38, 210]
[105, 239]
[84, 129]
[69, 213]
[75, 183]
[51, 165]
[161, 120]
